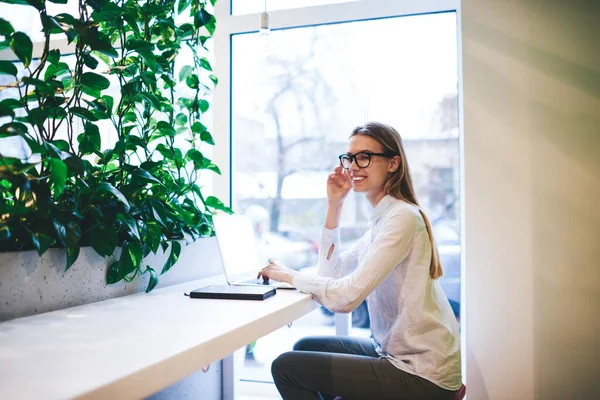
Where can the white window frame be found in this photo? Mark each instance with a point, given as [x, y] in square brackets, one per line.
[228, 25]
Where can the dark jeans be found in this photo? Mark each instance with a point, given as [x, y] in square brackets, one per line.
[328, 366]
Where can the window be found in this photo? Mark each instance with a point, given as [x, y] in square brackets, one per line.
[292, 109]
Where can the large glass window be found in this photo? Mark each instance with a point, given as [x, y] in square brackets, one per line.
[297, 94]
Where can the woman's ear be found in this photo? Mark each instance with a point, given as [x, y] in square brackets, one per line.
[394, 164]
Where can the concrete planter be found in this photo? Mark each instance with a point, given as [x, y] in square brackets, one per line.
[30, 284]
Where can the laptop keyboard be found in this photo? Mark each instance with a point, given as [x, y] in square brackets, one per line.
[256, 281]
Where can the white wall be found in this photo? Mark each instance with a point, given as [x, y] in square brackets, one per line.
[531, 73]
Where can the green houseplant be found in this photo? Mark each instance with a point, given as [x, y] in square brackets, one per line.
[123, 78]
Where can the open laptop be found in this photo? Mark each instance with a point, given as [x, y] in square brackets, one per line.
[239, 254]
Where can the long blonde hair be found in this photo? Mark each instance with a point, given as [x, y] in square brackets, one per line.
[399, 183]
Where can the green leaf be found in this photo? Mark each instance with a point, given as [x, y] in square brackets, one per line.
[211, 25]
[214, 79]
[61, 144]
[203, 105]
[13, 129]
[94, 81]
[136, 44]
[165, 128]
[103, 240]
[181, 119]
[77, 167]
[55, 70]
[206, 137]
[4, 233]
[151, 99]
[204, 63]
[153, 279]
[215, 203]
[83, 187]
[21, 45]
[13, 104]
[186, 30]
[106, 187]
[61, 231]
[97, 41]
[131, 257]
[72, 254]
[129, 117]
[6, 28]
[50, 25]
[58, 171]
[90, 60]
[53, 56]
[148, 57]
[141, 175]
[66, 23]
[182, 5]
[173, 257]
[8, 68]
[83, 113]
[73, 234]
[195, 156]
[110, 102]
[41, 242]
[89, 140]
[184, 72]
[113, 273]
[52, 150]
[130, 223]
[210, 166]
[198, 127]
[192, 81]
[158, 211]
[39, 4]
[6, 111]
[98, 107]
[201, 18]
[107, 12]
[133, 141]
[153, 236]
[166, 152]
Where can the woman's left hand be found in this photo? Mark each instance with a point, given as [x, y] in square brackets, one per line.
[277, 271]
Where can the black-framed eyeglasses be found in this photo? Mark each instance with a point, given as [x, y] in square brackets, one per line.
[362, 158]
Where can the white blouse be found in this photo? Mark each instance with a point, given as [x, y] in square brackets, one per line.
[411, 319]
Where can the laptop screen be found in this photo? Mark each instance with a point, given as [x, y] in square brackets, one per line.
[237, 245]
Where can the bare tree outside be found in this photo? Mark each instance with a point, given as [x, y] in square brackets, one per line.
[296, 109]
[447, 113]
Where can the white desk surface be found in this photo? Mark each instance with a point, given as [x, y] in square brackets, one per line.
[132, 346]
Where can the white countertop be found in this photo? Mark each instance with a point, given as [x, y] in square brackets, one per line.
[132, 346]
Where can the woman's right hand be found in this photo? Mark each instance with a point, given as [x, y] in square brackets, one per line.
[338, 186]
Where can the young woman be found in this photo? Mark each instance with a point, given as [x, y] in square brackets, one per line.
[415, 353]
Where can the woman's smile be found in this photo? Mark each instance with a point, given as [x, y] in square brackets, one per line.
[358, 179]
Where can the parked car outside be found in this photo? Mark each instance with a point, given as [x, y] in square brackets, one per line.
[292, 247]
